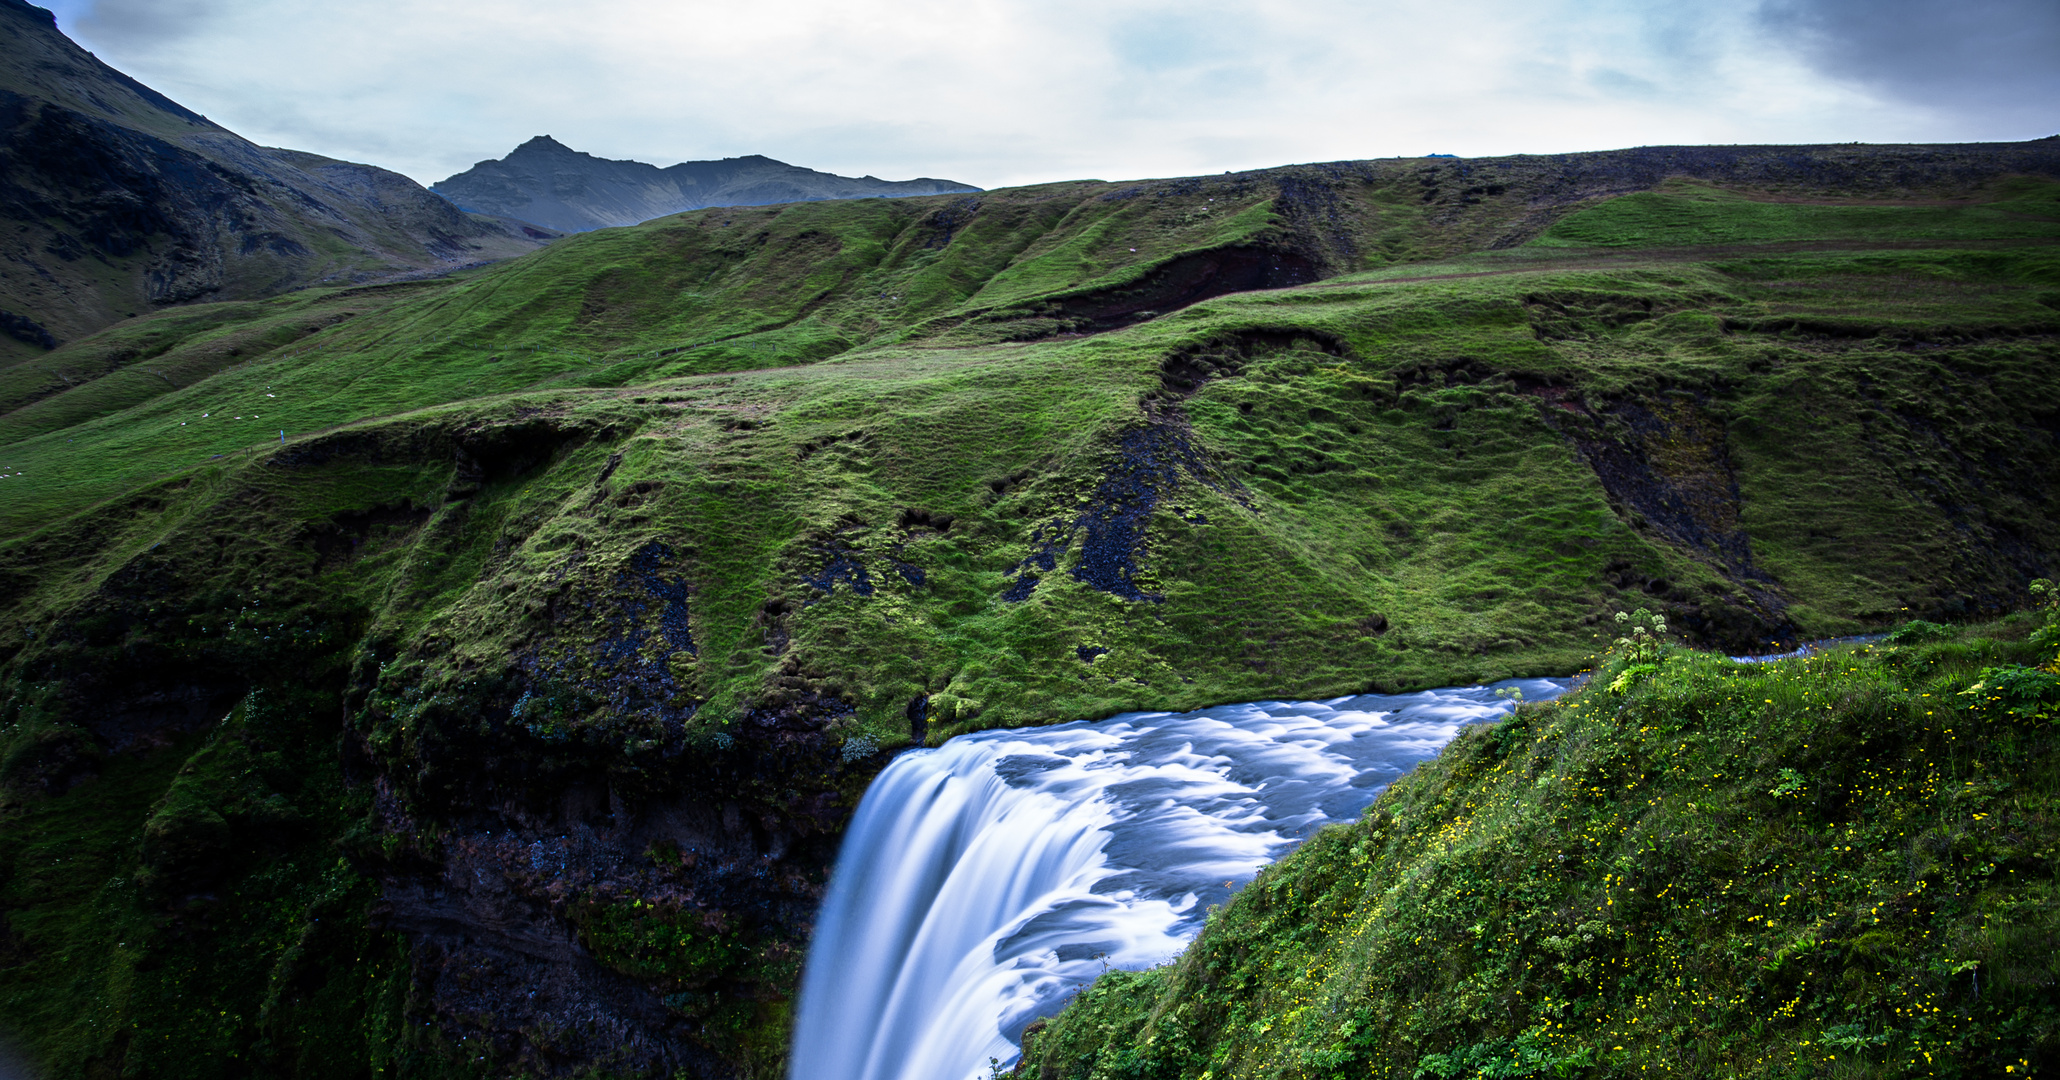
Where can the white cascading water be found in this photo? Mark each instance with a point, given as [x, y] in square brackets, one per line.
[983, 883]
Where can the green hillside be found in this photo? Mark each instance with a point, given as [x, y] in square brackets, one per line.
[1833, 866]
[503, 715]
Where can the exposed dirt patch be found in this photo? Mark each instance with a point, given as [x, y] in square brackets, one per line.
[937, 228]
[999, 486]
[501, 451]
[916, 520]
[1666, 466]
[841, 564]
[344, 537]
[817, 445]
[1147, 465]
[1180, 282]
[1185, 370]
[26, 330]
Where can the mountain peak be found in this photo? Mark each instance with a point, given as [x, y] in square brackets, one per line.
[201, 202]
[545, 182]
[544, 144]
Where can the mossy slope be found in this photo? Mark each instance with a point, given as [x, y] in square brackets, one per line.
[1833, 866]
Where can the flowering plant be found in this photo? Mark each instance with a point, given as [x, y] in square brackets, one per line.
[2030, 692]
[1639, 647]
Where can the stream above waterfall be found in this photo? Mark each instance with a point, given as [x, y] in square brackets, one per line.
[984, 883]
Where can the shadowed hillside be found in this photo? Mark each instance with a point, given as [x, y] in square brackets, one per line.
[508, 709]
[121, 202]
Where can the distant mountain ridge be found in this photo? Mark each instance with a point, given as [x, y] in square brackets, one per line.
[545, 182]
[118, 200]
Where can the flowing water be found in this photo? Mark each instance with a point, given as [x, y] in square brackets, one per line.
[983, 883]
[1811, 648]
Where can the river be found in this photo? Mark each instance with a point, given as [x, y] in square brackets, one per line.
[983, 883]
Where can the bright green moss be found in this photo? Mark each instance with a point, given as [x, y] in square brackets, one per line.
[1687, 213]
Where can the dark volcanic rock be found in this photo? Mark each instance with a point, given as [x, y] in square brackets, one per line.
[553, 185]
[567, 914]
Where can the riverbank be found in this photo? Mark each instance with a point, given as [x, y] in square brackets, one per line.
[1841, 864]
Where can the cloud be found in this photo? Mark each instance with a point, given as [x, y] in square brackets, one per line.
[131, 25]
[1012, 91]
[1976, 58]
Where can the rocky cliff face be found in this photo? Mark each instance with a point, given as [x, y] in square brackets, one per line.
[546, 182]
[120, 201]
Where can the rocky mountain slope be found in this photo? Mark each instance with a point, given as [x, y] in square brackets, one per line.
[546, 182]
[119, 202]
[501, 717]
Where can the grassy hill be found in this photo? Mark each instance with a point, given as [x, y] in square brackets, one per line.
[1833, 866]
[503, 714]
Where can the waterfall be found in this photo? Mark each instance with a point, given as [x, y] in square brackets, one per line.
[983, 883]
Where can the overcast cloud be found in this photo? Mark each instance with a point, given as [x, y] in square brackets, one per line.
[995, 92]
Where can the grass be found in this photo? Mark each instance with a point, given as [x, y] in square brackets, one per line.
[264, 962]
[1333, 528]
[1833, 866]
[1683, 213]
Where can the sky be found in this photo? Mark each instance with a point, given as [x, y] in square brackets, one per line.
[1006, 92]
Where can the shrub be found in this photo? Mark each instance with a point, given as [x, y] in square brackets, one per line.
[1917, 631]
[859, 748]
